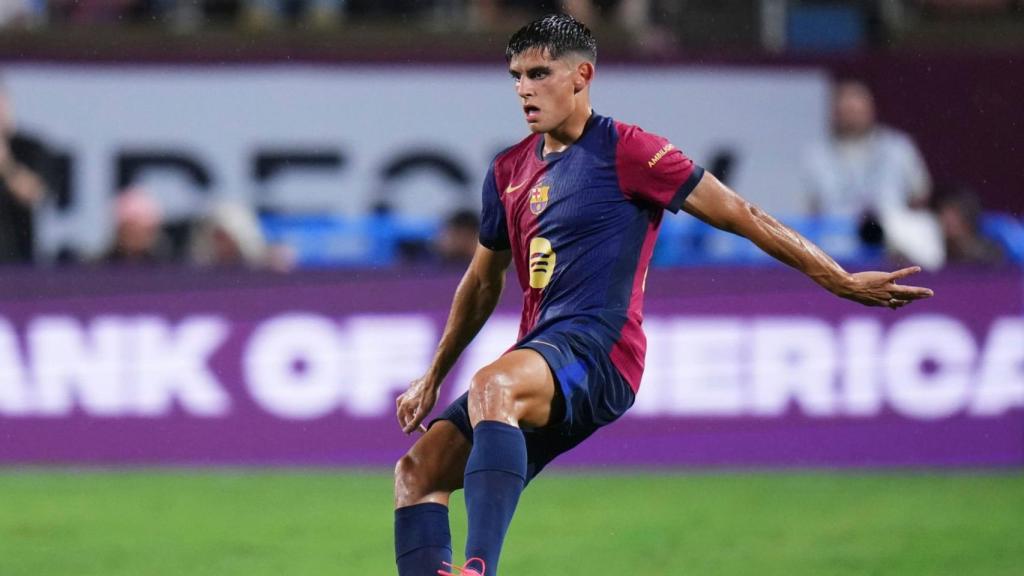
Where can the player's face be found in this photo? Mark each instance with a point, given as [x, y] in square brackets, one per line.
[547, 88]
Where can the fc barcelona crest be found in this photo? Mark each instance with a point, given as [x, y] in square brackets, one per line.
[539, 199]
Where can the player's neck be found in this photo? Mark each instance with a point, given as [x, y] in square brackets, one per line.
[568, 132]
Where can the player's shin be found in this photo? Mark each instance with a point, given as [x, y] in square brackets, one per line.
[423, 541]
[495, 477]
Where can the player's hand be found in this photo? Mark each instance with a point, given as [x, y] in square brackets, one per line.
[414, 404]
[881, 288]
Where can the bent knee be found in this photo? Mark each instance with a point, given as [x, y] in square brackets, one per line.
[492, 395]
[408, 472]
[405, 467]
[411, 483]
[417, 482]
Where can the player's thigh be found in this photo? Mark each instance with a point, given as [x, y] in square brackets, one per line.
[517, 389]
[434, 467]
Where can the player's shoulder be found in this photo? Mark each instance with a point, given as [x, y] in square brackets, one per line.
[517, 152]
[631, 134]
[636, 144]
[514, 158]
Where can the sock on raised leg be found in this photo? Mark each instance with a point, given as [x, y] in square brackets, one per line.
[495, 477]
[422, 539]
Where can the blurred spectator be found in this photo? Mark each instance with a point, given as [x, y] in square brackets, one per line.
[636, 17]
[90, 10]
[25, 165]
[230, 237]
[453, 245]
[315, 13]
[874, 173]
[865, 165]
[458, 239]
[138, 236]
[491, 13]
[960, 216]
[21, 12]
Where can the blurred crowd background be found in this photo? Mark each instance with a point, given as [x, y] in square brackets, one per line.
[869, 189]
[679, 21]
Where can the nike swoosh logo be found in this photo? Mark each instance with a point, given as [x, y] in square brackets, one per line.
[512, 189]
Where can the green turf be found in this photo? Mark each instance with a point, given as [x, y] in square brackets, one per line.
[335, 523]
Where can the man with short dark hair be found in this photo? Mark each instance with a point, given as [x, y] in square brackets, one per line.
[875, 174]
[864, 166]
[457, 241]
[577, 206]
[24, 166]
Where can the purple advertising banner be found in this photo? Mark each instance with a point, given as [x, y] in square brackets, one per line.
[745, 368]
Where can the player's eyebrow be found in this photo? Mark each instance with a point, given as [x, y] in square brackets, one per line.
[532, 71]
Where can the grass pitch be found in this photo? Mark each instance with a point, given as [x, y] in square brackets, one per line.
[224, 523]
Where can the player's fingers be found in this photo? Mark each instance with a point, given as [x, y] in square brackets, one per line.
[407, 425]
[405, 415]
[904, 273]
[911, 292]
[411, 421]
[895, 304]
[416, 421]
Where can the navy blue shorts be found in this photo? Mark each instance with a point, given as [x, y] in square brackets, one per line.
[594, 391]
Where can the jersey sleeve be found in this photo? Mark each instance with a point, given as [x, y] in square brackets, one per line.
[493, 226]
[653, 170]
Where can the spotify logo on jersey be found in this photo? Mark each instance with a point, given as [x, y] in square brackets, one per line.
[542, 262]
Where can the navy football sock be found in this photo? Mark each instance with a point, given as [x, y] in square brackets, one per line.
[495, 477]
[422, 539]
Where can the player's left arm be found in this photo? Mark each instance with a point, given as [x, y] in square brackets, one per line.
[715, 203]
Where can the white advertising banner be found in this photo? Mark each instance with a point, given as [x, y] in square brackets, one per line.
[346, 139]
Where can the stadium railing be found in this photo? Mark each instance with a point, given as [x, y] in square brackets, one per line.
[333, 241]
[1008, 232]
[378, 240]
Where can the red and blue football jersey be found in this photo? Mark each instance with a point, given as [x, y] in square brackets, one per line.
[581, 225]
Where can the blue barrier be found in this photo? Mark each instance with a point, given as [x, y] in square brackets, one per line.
[684, 241]
[334, 241]
[1006, 231]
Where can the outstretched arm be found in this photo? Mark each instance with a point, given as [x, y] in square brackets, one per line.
[714, 203]
[25, 185]
[474, 301]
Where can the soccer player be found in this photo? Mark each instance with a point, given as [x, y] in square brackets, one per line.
[576, 205]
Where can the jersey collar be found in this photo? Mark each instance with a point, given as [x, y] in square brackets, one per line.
[556, 155]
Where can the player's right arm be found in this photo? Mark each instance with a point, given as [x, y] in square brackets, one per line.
[474, 301]
[715, 203]
[654, 171]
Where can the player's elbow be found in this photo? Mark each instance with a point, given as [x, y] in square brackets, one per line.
[752, 213]
[741, 217]
[488, 282]
[492, 287]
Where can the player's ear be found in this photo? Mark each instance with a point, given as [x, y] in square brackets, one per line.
[584, 74]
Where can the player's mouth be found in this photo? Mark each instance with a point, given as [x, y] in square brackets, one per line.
[532, 112]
